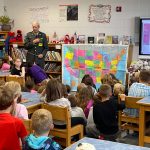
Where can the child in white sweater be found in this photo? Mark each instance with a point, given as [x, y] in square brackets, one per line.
[75, 110]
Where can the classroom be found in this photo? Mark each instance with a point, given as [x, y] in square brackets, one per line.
[74, 74]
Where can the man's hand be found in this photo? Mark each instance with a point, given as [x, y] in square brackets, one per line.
[40, 56]
[37, 40]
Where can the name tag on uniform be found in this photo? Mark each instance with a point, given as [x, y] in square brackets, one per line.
[40, 44]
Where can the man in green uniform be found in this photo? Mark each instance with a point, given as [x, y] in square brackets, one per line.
[37, 45]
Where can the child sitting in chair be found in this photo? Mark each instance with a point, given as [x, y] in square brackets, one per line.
[18, 69]
[42, 123]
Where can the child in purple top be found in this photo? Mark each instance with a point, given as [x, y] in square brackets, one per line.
[36, 73]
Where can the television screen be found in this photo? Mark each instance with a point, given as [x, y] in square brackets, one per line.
[144, 45]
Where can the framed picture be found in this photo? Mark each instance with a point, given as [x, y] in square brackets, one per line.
[81, 39]
[91, 39]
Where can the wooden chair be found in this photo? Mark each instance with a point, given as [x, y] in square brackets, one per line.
[63, 114]
[126, 121]
[20, 80]
[28, 125]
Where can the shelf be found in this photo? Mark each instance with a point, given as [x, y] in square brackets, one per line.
[53, 61]
[53, 72]
[18, 43]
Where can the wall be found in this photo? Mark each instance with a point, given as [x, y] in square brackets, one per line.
[1, 7]
[121, 23]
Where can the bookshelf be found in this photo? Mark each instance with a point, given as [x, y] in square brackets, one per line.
[53, 61]
[3, 36]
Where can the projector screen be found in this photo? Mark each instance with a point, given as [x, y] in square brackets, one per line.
[144, 45]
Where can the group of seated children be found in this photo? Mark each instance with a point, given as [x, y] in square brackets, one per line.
[12, 129]
[96, 110]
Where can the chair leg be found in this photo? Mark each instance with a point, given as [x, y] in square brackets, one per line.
[81, 134]
[68, 141]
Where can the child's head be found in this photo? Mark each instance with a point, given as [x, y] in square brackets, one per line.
[84, 96]
[53, 90]
[17, 62]
[119, 89]
[115, 80]
[29, 84]
[64, 91]
[16, 88]
[73, 100]
[105, 91]
[87, 80]
[144, 76]
[80, 86]
[68, 88]
[30, 64]
[7, 98]
[42, 122]
[107, 79]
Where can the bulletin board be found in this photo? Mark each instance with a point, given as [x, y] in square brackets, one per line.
[96, 60]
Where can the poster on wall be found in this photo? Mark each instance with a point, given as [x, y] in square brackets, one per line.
[68, 12]
[39, 14]
[99, 13]
[96, 60]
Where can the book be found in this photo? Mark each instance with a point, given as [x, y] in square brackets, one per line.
[52, 56]
[91, 40]
[101, 38]
[126, 40]
[115, 39]
[52, 67]
[108, 39]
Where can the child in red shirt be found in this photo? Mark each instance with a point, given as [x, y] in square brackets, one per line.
[11, 129]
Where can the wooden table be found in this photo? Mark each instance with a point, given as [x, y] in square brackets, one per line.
[144, 106]
[106, 145]
[34, 102]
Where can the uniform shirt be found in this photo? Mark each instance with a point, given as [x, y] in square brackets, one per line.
[11, 129]
[35, 49]
[137, 90]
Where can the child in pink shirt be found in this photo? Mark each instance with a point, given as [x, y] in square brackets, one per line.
[20, 110]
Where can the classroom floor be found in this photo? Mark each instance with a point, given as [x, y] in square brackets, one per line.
[131, 139]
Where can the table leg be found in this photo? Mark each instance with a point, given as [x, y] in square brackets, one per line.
[141, 126]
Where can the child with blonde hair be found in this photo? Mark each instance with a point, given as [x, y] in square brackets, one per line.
[42, 123]
[20, 110]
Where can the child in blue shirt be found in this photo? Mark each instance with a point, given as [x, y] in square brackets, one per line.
[42, 123]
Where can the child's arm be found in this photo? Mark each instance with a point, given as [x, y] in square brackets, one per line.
[121, 106]
[23, 72]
